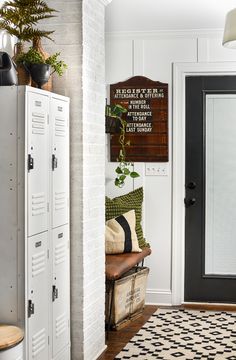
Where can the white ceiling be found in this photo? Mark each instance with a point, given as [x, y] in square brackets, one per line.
[148, 15]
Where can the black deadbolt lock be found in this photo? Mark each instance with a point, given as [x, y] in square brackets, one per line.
[191, 185]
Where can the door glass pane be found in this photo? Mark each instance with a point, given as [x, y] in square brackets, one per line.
[220, 172]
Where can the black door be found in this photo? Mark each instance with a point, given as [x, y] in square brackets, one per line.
[215, 282]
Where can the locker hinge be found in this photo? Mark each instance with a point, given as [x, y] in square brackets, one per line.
[30, 308]
[48, 207]
[54, 162]
[54, 293]
[48, 119]
[48, 340]
[48, 253]
[30, 162]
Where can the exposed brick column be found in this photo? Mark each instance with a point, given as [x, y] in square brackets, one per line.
[79, 37]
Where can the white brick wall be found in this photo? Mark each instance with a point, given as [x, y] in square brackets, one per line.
[94, 182]
[80, 38]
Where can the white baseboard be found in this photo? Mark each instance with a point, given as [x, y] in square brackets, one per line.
[158, 297]
[100, 353]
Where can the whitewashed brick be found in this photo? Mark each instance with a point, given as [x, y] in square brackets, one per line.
[79, 36]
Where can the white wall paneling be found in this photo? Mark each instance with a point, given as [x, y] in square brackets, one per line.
[121, 53]
[152, 54]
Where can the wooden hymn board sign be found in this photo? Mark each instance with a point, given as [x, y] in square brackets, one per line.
[146, 102]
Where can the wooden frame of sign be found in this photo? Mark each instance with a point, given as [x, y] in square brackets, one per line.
[146, 102]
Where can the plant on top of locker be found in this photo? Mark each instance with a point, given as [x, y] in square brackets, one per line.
[19, 18]
[33, 56]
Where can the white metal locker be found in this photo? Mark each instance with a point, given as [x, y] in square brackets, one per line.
[34, 209]
[60, 161]
[64, 355]
[60, 289]
[37, 162]
[38, 297]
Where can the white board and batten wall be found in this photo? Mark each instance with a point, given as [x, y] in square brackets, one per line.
[152, 54]
[34, 221]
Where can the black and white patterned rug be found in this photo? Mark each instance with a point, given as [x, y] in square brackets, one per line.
[184, 334]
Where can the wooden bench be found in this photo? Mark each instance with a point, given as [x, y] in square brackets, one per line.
[116, 266]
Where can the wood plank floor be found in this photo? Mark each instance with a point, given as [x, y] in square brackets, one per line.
[118, 339]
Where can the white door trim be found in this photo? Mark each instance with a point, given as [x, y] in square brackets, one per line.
[181, 70]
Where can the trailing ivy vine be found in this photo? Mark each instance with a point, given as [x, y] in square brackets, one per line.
[125, 167]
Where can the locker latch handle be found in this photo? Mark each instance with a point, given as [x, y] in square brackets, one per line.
[54, 293]
[30, 162]
[30, 308]
[54, 162]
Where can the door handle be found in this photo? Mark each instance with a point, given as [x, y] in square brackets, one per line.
[54, 293]
[30, 308]
[191, 185]
[189, 202]
[54, 162]
[30, 162]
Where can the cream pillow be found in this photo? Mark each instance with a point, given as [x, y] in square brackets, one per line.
[120, 234]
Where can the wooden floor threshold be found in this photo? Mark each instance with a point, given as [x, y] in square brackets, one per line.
[209, 306]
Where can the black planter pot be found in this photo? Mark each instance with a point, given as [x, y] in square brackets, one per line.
[40, 73]
[112, 125]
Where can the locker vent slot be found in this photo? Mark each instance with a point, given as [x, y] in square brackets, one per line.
[38, 342]
[38, 204]
[38, 263]
[38, 103]
[61, 325]
[60, 127]
[60, 200]
[60, 253]
[38, 124]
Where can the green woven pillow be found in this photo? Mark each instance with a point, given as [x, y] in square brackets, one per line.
[124, 203]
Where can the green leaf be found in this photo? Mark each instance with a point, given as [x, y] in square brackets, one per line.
[126, 171]
[117, 182]
[118, 170]
[20, 17]
[134, 174]
[119, 108]
[122, 177]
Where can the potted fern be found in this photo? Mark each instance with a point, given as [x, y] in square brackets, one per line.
[19, 18]
[40, 68]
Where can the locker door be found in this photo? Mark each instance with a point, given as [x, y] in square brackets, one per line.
[60, 161]
[37, 162]
[65, 355]
[38, 297]
[60, 289]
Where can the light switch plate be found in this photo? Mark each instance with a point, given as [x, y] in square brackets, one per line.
[156, 169]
